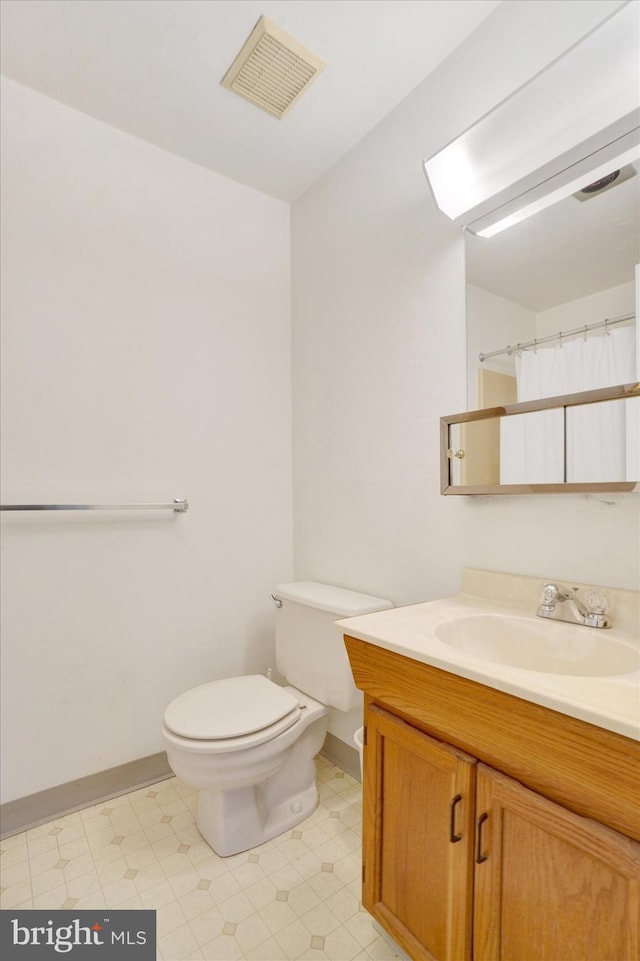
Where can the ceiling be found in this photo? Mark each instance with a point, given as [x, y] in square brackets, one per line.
[153, 69]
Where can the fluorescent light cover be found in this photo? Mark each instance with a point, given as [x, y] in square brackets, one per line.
[571, 115]
[555, 196]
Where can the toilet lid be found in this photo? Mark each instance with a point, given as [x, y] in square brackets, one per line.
[231, 707]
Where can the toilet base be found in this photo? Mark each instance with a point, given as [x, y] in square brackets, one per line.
[236, 820]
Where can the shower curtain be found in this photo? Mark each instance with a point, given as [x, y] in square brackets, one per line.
[602, 440]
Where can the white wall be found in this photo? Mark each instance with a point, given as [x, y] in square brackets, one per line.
[614, 302]
[379, 355]
[146, 327]
[146, 344]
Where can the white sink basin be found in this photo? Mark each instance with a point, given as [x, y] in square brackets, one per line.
[549, 647]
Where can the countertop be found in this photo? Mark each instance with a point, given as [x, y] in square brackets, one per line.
[611, 702]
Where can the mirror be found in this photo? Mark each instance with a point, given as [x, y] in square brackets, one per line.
[568, 266]
[587, 441]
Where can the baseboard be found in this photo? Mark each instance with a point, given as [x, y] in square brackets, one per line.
[27, 812]
[342, 754]
[387, 937]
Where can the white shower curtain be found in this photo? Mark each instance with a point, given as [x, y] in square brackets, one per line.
[532, 446]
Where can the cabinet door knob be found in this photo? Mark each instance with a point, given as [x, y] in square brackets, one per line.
[453, 837]
[480, 857]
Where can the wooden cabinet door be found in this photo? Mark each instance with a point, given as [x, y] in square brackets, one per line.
[554, 886]
[418, 818]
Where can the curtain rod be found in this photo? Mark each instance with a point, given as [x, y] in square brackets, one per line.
[609, 322]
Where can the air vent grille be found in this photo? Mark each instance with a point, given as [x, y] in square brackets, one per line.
[272, 70]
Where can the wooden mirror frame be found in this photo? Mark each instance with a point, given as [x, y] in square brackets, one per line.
[622, 392]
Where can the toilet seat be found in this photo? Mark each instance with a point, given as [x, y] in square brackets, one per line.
[233, 712]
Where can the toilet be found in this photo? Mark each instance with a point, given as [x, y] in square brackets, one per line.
[249, 744]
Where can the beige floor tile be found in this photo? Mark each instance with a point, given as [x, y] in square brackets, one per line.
[277, 916]
[185, 882]
[348, 869]
[212, 867]
[195, 903]
[40, 844]
[207, 926]
[83, 885]
[248, 873]
[344, 904]
[271, 859]
[18, 842]
[340, 943]
[175, 863]
[16, 894]
[14, 874]
[303, 898]
[168, 918]
[261, 893]
[180, 943]
[52, 899]
[223, 887]
[79, 866]
[270, 950]
[157, 896]
[296, 897]
[223, 948]
[236, 908]
[325, 884]
[320, 920]
[294, 939]
[362, 929]
[251, 932]
[149, 876]
[140, 858]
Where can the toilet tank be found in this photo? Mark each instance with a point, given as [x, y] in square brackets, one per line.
[310, 651]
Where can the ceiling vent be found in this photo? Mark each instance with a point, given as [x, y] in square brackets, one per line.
[272, 70]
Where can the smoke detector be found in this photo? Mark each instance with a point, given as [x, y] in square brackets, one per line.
[273, 69]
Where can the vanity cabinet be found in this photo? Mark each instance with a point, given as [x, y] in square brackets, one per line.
[417, 842]
[494, 829]
[554, 885]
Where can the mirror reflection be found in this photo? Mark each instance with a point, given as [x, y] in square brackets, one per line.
[592, 443]
[556, 278]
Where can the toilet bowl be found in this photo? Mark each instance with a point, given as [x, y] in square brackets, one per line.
[249, 744]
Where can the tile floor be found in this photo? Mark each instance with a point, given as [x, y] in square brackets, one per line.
[295, 897]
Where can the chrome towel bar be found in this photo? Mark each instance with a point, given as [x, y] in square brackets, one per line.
[179, 504]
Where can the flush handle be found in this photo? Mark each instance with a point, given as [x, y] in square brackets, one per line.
[453, 837]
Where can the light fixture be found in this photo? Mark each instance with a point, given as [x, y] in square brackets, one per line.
[573, 123]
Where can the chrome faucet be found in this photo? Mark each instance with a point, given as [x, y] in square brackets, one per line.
[564, 604]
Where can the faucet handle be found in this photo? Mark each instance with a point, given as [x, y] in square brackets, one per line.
[548, 598]
[598, 601]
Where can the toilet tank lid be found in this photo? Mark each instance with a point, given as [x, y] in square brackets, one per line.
[335, 600]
